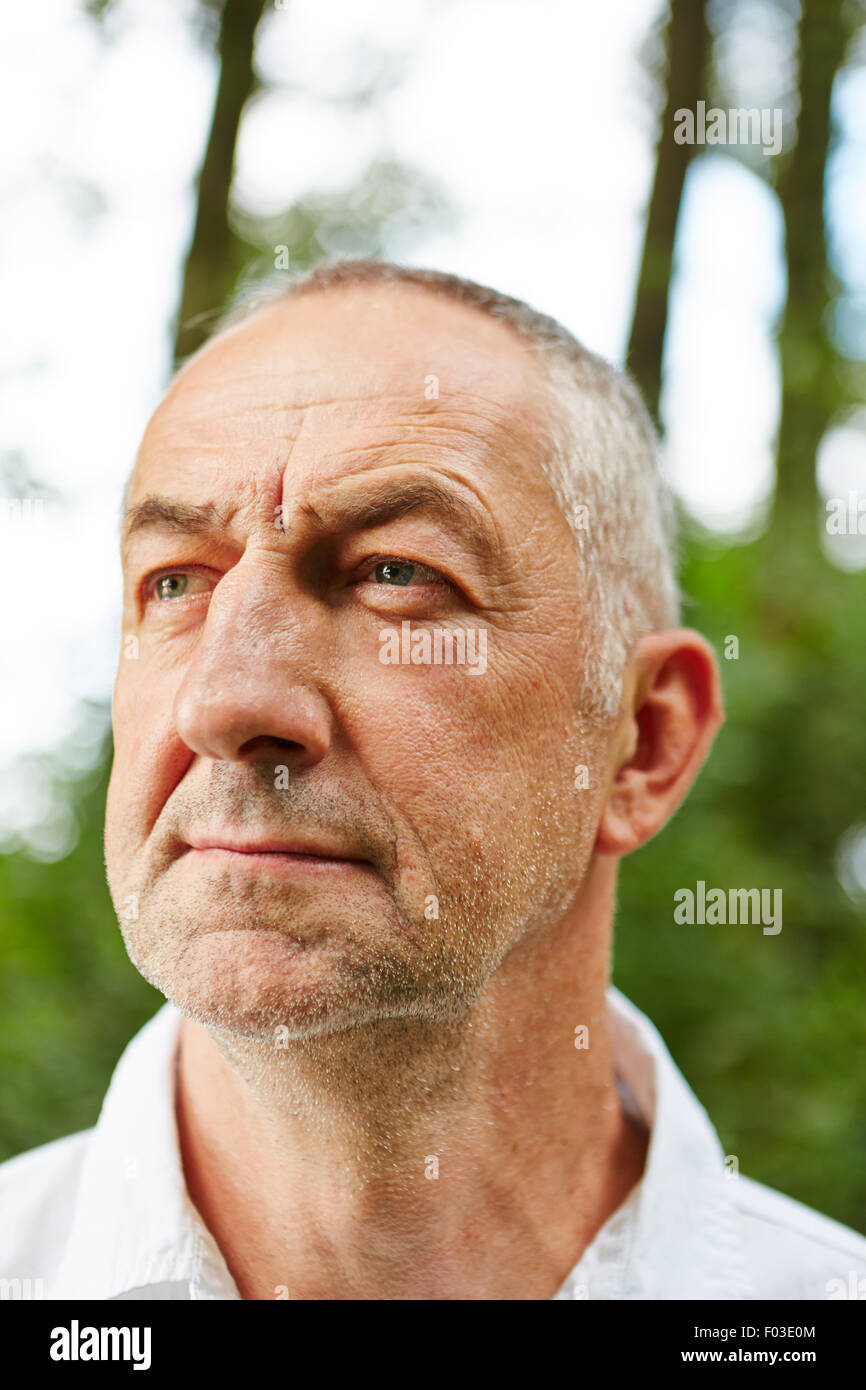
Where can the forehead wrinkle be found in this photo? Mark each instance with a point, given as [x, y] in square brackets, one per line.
[482, 418]
[471, 424]
[276, 384]
[487, 425]
[367, 497]
[268, 399]
[433, 441]
[277, 421]
[445, 446]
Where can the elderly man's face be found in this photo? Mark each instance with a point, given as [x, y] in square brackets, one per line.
[300, 832]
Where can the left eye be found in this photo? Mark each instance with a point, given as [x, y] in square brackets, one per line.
[403, 572]
[178, 585]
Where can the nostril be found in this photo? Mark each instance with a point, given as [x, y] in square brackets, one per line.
[264, 741]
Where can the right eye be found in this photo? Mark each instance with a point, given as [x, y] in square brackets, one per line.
[175, 584]
[400, 573]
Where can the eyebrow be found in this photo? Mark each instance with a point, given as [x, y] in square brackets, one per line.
[157, 513]
[378, 504]
[388, 501]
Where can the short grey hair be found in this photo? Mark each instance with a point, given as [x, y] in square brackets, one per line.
[603, 464]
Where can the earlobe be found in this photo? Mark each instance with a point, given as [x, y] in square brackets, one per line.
[669, 721]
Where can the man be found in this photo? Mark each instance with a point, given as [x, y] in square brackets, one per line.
[402, 680]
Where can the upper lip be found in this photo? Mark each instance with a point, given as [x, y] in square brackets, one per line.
[319, 848]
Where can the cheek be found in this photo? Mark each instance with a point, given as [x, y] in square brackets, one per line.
[119, 803]
[476, 766]
[149, 761]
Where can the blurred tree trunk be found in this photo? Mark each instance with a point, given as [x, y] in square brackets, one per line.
[811, 387]
[211, 267]
[687, 49]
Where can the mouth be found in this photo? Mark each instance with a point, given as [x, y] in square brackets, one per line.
[270, 856]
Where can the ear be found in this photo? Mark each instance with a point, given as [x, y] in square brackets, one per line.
[672, 710]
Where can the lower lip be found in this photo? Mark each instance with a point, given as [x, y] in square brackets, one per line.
[276, 862]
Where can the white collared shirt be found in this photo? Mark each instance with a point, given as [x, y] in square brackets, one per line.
[105, 1214]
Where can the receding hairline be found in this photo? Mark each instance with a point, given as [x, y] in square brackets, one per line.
[536, 331]
[552, 346]
[348, 277]
[603, 461]
[279, 302]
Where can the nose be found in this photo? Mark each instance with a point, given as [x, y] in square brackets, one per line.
[247, 689]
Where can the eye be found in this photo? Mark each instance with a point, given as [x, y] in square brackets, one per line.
[404, 572]
[176, 584]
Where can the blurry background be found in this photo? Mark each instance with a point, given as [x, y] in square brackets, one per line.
[162, 155]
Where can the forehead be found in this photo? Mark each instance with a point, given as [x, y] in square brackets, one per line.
[326, 380]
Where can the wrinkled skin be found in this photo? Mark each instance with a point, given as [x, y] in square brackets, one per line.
[412, 987]
[452, 786]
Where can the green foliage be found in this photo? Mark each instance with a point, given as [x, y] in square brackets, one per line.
[770, 1031]
[71, 998]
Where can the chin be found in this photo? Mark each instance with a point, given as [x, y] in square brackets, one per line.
[277, 989]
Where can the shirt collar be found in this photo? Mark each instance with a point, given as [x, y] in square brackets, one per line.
[135, 1226]
[676, 1235]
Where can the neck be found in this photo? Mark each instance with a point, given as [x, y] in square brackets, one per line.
[405, 1159]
